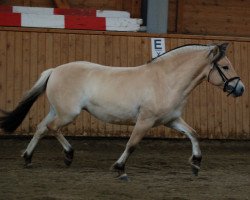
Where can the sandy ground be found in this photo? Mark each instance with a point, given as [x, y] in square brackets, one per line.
[158, 169]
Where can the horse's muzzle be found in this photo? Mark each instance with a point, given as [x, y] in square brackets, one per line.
[235, 88]
[239, 91]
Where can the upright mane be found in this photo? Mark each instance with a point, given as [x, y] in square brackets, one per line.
[178, 48]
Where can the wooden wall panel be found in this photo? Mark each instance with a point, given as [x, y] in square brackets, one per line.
[25, 54]
[224, 17]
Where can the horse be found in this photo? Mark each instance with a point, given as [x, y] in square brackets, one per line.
[145, 96]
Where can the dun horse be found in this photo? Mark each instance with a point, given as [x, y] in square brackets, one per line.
[146, 96]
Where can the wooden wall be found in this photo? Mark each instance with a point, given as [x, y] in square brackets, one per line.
[25, 53]
[213, 17]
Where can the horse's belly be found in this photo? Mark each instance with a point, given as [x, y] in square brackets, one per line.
[113, 114]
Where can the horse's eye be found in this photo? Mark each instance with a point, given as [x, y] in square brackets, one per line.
[225, 67]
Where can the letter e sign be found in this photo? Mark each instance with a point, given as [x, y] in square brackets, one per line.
[157, 46]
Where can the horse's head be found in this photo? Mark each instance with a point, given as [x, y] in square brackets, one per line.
[222, 73]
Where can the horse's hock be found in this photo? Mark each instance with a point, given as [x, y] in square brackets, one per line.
[25, 53]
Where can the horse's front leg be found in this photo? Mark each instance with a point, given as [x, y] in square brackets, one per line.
[139, 131]
[181, 126]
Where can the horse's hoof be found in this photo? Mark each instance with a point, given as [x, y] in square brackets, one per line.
[69, 155]
[195, 170]
[118, 167]
[195, 164]
[27, 160]
[123, 177]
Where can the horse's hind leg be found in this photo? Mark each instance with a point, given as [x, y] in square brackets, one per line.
[140, 129]
[195, 160]
[40, 132]
[68, 150]
[55, 125]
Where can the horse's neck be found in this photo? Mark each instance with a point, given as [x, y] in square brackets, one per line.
[187, 71]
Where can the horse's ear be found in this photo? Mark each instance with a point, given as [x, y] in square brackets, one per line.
[218, 52]
[223, 47]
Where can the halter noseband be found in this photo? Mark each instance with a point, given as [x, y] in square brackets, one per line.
[225, 79]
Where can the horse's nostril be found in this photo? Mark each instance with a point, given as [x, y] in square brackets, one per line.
[242, 89]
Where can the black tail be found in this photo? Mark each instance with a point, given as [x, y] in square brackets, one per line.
[9, 121]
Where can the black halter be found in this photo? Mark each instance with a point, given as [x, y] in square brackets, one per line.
[227, 88]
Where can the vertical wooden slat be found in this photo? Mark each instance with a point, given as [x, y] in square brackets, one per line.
[138, 55]
[245, 98]
[131, 51]
[211, 110]
[33, 78]
[10, 55]
[218, 114]
[248, 86]
[3, 68]
[64, 48]
[56, 49]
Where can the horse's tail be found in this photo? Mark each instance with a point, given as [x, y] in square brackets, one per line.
[9, 121]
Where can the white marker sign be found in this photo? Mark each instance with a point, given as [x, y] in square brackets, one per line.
[157, 46]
